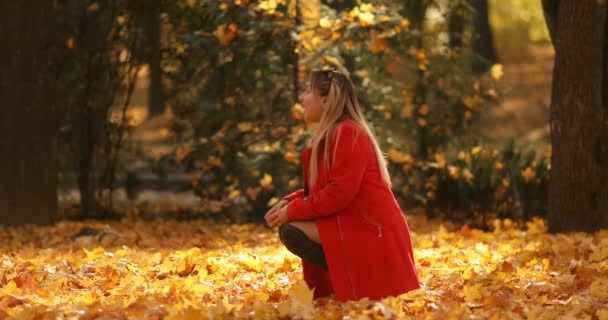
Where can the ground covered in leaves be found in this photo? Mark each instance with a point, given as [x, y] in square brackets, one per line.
[199, 269]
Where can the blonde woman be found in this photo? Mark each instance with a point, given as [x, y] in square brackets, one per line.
[345, 223]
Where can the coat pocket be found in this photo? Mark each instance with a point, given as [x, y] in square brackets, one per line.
[370, 222]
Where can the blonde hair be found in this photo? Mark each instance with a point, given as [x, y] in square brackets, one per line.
[341, 99]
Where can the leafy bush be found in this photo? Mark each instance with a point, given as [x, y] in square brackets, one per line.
[236, 69]
[477, 183]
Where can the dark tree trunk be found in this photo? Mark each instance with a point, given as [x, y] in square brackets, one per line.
[296, 58]
[456, 23]
[578, 186]
[483, 40]
[28, 192]
[152, 35]
[415, 11]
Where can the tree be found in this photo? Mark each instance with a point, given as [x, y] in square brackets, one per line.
[483, 40]
[456, 23]
[578, 188]
[152, 11]
[98, 67]
[28, 193]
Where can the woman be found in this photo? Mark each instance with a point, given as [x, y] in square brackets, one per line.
[345, 224]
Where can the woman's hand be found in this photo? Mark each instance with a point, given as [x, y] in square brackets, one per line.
[276, 207]
[277, 217]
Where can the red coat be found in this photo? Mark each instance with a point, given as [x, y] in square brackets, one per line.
[363, 231]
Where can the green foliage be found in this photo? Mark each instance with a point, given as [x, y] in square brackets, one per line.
[232, 91]
[233, 71]
[236, 68]
[476, 183]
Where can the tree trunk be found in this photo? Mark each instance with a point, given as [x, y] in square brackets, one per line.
[415, 11]
[578, 186]
[296, 57]
[28, 192]
[152, 35]
[456, 23]
[483, 40]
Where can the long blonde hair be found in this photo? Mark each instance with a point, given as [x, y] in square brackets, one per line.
[341, 99]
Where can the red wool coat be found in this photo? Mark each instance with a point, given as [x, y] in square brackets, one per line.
[363, 231]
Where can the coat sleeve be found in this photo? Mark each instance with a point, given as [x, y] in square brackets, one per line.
[346, 173]
[294, 195]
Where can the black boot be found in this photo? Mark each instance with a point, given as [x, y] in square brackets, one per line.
[296, 241]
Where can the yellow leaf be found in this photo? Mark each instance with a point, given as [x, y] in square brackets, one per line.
[266, 180]
[301, 298]
[11, 288]
[324, 23]
[69, 43]
[167, 266]
[291, 157]
[252, 193]
[602, 314]
[297, 111]
[230, 101]
[528, 174]
[472, 293]
[245, 126]
[235, 193]
[225, 33]
[468, 175]
[496, 71]
[440, 159]
[366, 19]
[188, 313]
[310, 11]
[453, 172]
[399, 157]
[93, 7]
[407, 111]
[424, 110]
[214, 161]
[476, 150]
[498, 165]
[273, 201]
[378, 44]
[600, 254]
[599, 289]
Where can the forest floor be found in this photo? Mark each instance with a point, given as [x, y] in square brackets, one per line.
[202, 269]
[166, 269]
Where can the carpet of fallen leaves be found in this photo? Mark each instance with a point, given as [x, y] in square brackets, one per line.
[201, 269]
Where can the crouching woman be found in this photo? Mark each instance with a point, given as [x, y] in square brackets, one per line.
[345, 223]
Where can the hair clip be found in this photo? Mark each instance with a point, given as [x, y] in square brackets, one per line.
[330, 73]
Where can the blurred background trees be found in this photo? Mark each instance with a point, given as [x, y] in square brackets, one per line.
[201, 96]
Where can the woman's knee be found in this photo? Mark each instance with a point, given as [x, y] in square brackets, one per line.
[310, 229]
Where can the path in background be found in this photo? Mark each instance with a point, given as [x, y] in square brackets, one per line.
[526, 86]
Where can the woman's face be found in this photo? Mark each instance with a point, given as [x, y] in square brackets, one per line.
[313, 105]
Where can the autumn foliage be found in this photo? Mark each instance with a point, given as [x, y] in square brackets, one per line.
[198, 270]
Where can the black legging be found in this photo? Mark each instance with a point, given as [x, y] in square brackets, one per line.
[296, 241]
